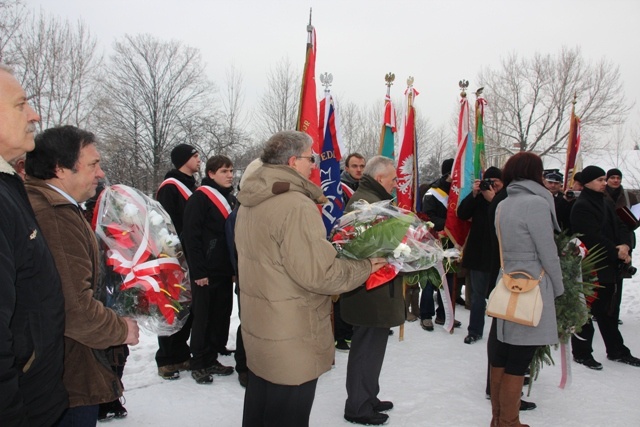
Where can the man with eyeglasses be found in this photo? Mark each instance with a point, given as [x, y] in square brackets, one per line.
[288, 271]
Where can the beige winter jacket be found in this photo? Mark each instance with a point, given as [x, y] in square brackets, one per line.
[288, 270]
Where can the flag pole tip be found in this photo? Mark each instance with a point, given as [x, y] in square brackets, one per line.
[463, 84]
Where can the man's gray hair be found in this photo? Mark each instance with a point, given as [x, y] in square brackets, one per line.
[284, 145]
[377, 165]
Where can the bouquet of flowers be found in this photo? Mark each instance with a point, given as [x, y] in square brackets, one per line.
[572, 312]
[146, 274]
[382, 230]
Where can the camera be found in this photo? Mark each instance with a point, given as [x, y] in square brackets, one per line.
[626, 271]
[571, 194]
[486, 184]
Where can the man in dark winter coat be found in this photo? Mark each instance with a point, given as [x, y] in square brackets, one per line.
[594, 217]
[620, 198]
[434, 205]
[371, 313]
[210, 268]
[173, 351]
[31, 301]
[477, 251]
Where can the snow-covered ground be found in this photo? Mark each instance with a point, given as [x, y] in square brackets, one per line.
[433, 378]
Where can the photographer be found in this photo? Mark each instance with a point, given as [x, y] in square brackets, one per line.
[476, 257]
[594, 217]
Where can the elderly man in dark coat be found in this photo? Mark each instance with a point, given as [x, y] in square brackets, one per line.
[371, 313]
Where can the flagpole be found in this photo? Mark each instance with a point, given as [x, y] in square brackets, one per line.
[570, 168]
[389, 78]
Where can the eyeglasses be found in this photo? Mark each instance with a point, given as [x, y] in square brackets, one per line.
[312, 159]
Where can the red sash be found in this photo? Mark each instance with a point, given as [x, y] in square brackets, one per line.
[217, 199]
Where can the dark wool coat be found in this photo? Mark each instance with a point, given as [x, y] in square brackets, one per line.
[90, 327]
[31, 315]
[594, 217]
[288, 271]
[477, 250]
[203, 234]
[382, 307]
[172, 200]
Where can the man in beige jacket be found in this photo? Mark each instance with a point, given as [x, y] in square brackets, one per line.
[289, 271]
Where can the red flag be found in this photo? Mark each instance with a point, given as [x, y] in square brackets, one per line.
[308, 113]
[461, 174]
[407, 160]
[573, 149]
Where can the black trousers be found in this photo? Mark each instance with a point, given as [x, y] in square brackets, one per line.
[240, 354]
[604, 309]
[211, 310]
[368, 346]
[274, 405]
[515, 359]
[174, 349]
[341, 329]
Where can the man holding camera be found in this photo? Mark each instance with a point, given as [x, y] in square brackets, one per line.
[594, 217]
[477, 258]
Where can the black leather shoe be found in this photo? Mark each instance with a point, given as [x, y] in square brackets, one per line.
[471, 338]
[376, 419]
[628, 359]
[527, 406]
[383, 406]
[590, 363]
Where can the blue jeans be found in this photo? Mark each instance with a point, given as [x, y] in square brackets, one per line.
[479, 285]
[79, 416]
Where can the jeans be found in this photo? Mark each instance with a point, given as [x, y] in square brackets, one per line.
[479, 284]
[79, 416]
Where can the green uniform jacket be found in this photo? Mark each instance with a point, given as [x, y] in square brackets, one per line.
[382, 307]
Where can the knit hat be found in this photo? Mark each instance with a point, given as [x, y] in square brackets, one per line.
[578, 177]
[492, 172]
[614, 172]
[181, 154]
[590, 173]
[447, 165]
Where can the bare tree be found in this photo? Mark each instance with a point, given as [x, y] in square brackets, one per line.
[152, 99]
[12, 16]
[58, 64]
[530, 100]
[278, 106]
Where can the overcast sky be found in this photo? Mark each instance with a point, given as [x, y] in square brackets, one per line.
[437, 42]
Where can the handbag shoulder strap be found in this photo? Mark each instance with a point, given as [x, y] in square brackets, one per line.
[500, 243]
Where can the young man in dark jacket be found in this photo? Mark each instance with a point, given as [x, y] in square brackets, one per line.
[173, 351]
[594, 217]
[210, 268]
[31, 301]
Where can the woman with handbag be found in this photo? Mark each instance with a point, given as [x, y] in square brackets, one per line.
[525, 224]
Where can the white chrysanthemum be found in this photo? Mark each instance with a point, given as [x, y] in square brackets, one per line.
[155, 218]
[129, 211]
[171, 240]
[403, 250]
